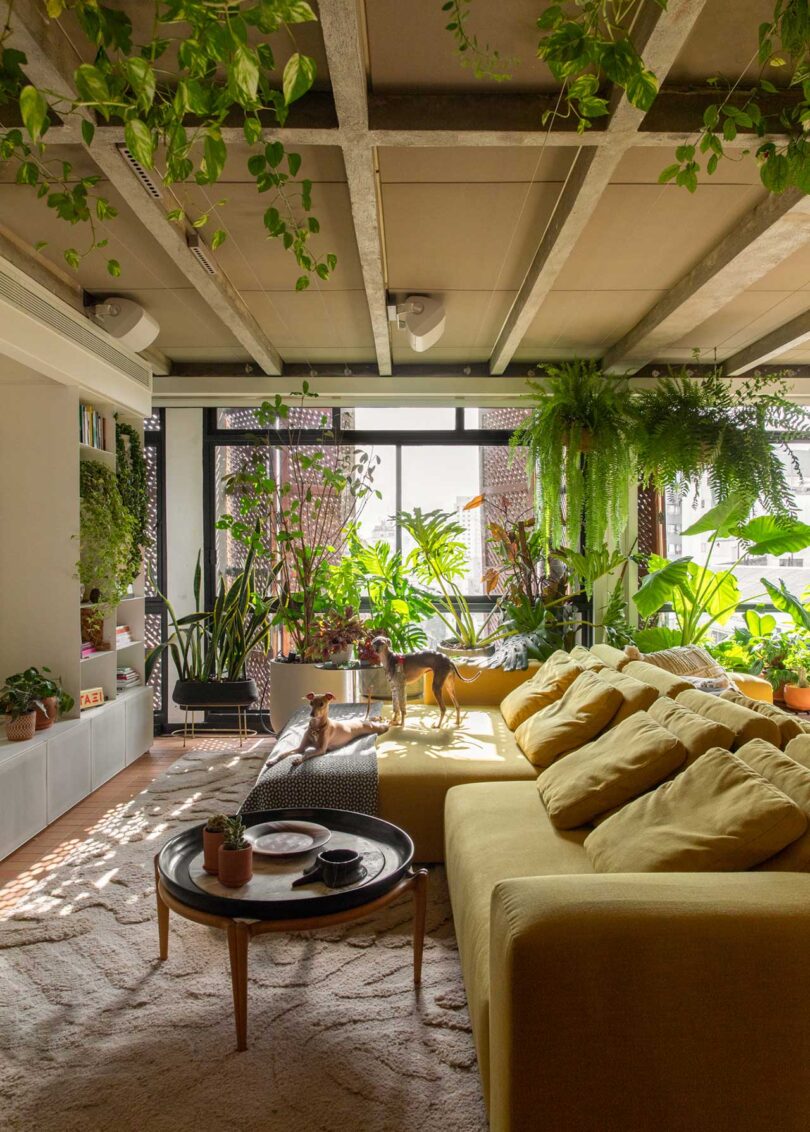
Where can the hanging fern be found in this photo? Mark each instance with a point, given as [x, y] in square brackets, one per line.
[131, 475]
[687, 428]
[579, 441]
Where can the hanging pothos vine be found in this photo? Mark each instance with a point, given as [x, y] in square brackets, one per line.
[173, 92]
[131, 475]
[590, 45]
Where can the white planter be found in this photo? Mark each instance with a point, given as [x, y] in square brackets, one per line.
[456, 652]
[289, 684]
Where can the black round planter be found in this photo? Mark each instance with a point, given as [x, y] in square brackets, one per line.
[215, 693]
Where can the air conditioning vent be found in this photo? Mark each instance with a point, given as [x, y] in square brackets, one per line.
[200, 252]
[73, 327]
[151, 186]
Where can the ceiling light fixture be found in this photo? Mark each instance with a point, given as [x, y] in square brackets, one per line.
[150, 185]
[200, 252]
[127, 321]
[423, 317]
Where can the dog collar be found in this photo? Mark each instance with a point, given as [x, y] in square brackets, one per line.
[399, 658]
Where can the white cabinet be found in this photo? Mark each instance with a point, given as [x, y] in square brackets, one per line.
[108, 725]
[22, 793]
[70, 769]
[139, 721]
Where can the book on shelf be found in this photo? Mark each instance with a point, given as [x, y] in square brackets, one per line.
[127, 677]
[123, 636]
[92, 427]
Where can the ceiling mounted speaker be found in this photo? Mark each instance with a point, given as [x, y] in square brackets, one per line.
[128, 322]
[423, 317]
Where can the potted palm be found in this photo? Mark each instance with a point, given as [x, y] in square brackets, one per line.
[210, 648]
[235, 855]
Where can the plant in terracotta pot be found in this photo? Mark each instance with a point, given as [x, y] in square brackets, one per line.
[41, 686]
[19, 705]
[235, 855]
[797, 696]
[213, 837]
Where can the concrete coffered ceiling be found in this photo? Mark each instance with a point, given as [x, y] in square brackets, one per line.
[543, 244]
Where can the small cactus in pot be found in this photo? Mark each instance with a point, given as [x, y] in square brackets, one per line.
[797, 695]
[235, 855]
[213, 836]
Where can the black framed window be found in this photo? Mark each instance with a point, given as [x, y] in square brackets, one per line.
[155, 618]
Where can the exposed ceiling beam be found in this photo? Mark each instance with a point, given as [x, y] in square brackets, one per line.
[659, 39]
[341, 36]
[777, 227]
[780, 341]
[50, 65]
[40, 269]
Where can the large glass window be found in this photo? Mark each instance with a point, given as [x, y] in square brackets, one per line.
[431, 458]
[155, 625]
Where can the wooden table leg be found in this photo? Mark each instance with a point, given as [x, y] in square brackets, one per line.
[420, 885]
[163, 918]
[238, 939]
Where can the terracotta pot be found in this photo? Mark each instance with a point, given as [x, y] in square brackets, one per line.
[797, 698]
[212, 839]
[235, 866]
[779, 694]
[45, 719]
[21, 728]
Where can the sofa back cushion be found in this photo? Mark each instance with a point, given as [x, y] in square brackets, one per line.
[745, 723]
[684, 660]
[798, 749]
[586, 659]
[789, 726]
[584, 710]
[658, 678]
[697, 733]
[793, 780]
[635, 695]
[717, 816]
[613, 658]
[542, 690]
[607, 772]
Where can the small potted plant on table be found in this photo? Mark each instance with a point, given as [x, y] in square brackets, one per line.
[235, 855]
[213, 836]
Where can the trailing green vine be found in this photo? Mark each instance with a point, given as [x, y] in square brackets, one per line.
[105, 534]
[178, 111]
[589, 46]
[132, 485]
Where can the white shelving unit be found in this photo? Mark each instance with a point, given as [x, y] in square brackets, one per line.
[40, 610]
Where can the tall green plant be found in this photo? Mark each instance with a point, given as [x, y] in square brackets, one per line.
[702, 597]
[130, 470]
[215, 644]
[579, 439]
[105, 534]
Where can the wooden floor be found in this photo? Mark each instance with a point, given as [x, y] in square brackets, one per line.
[21, 871]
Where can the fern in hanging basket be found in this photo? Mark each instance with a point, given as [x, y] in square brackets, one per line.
[579, 439]
[689, 427]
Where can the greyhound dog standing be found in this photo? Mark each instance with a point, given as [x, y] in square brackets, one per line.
[403, 668]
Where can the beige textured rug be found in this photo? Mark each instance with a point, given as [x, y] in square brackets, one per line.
[95, 1033]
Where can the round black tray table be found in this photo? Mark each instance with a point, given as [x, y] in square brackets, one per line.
[268, 903]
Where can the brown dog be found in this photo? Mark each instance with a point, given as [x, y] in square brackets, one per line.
[403, 668]
[325, 734]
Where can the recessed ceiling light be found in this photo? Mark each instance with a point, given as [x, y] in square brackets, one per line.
[148, 183]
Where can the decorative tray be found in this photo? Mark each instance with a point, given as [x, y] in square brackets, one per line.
[387, 853]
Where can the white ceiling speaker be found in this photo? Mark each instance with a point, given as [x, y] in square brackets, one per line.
[128, 322]
[423, 317]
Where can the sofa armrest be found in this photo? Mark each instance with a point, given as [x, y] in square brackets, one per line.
[650, 1001]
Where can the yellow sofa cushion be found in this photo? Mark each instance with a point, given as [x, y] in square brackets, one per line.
[745, 723]
[613, 657]
[585, 659]
[718, 816]
[665, 682]
[539, 692]
[697, 733]
[619, 765]
[789, 726]
[755, 687]
[798, 749]
[584, 710]
[793, 780]
[417, 765]
[635, 695]
[684, 660]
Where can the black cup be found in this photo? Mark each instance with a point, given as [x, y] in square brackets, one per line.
[339, 866]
